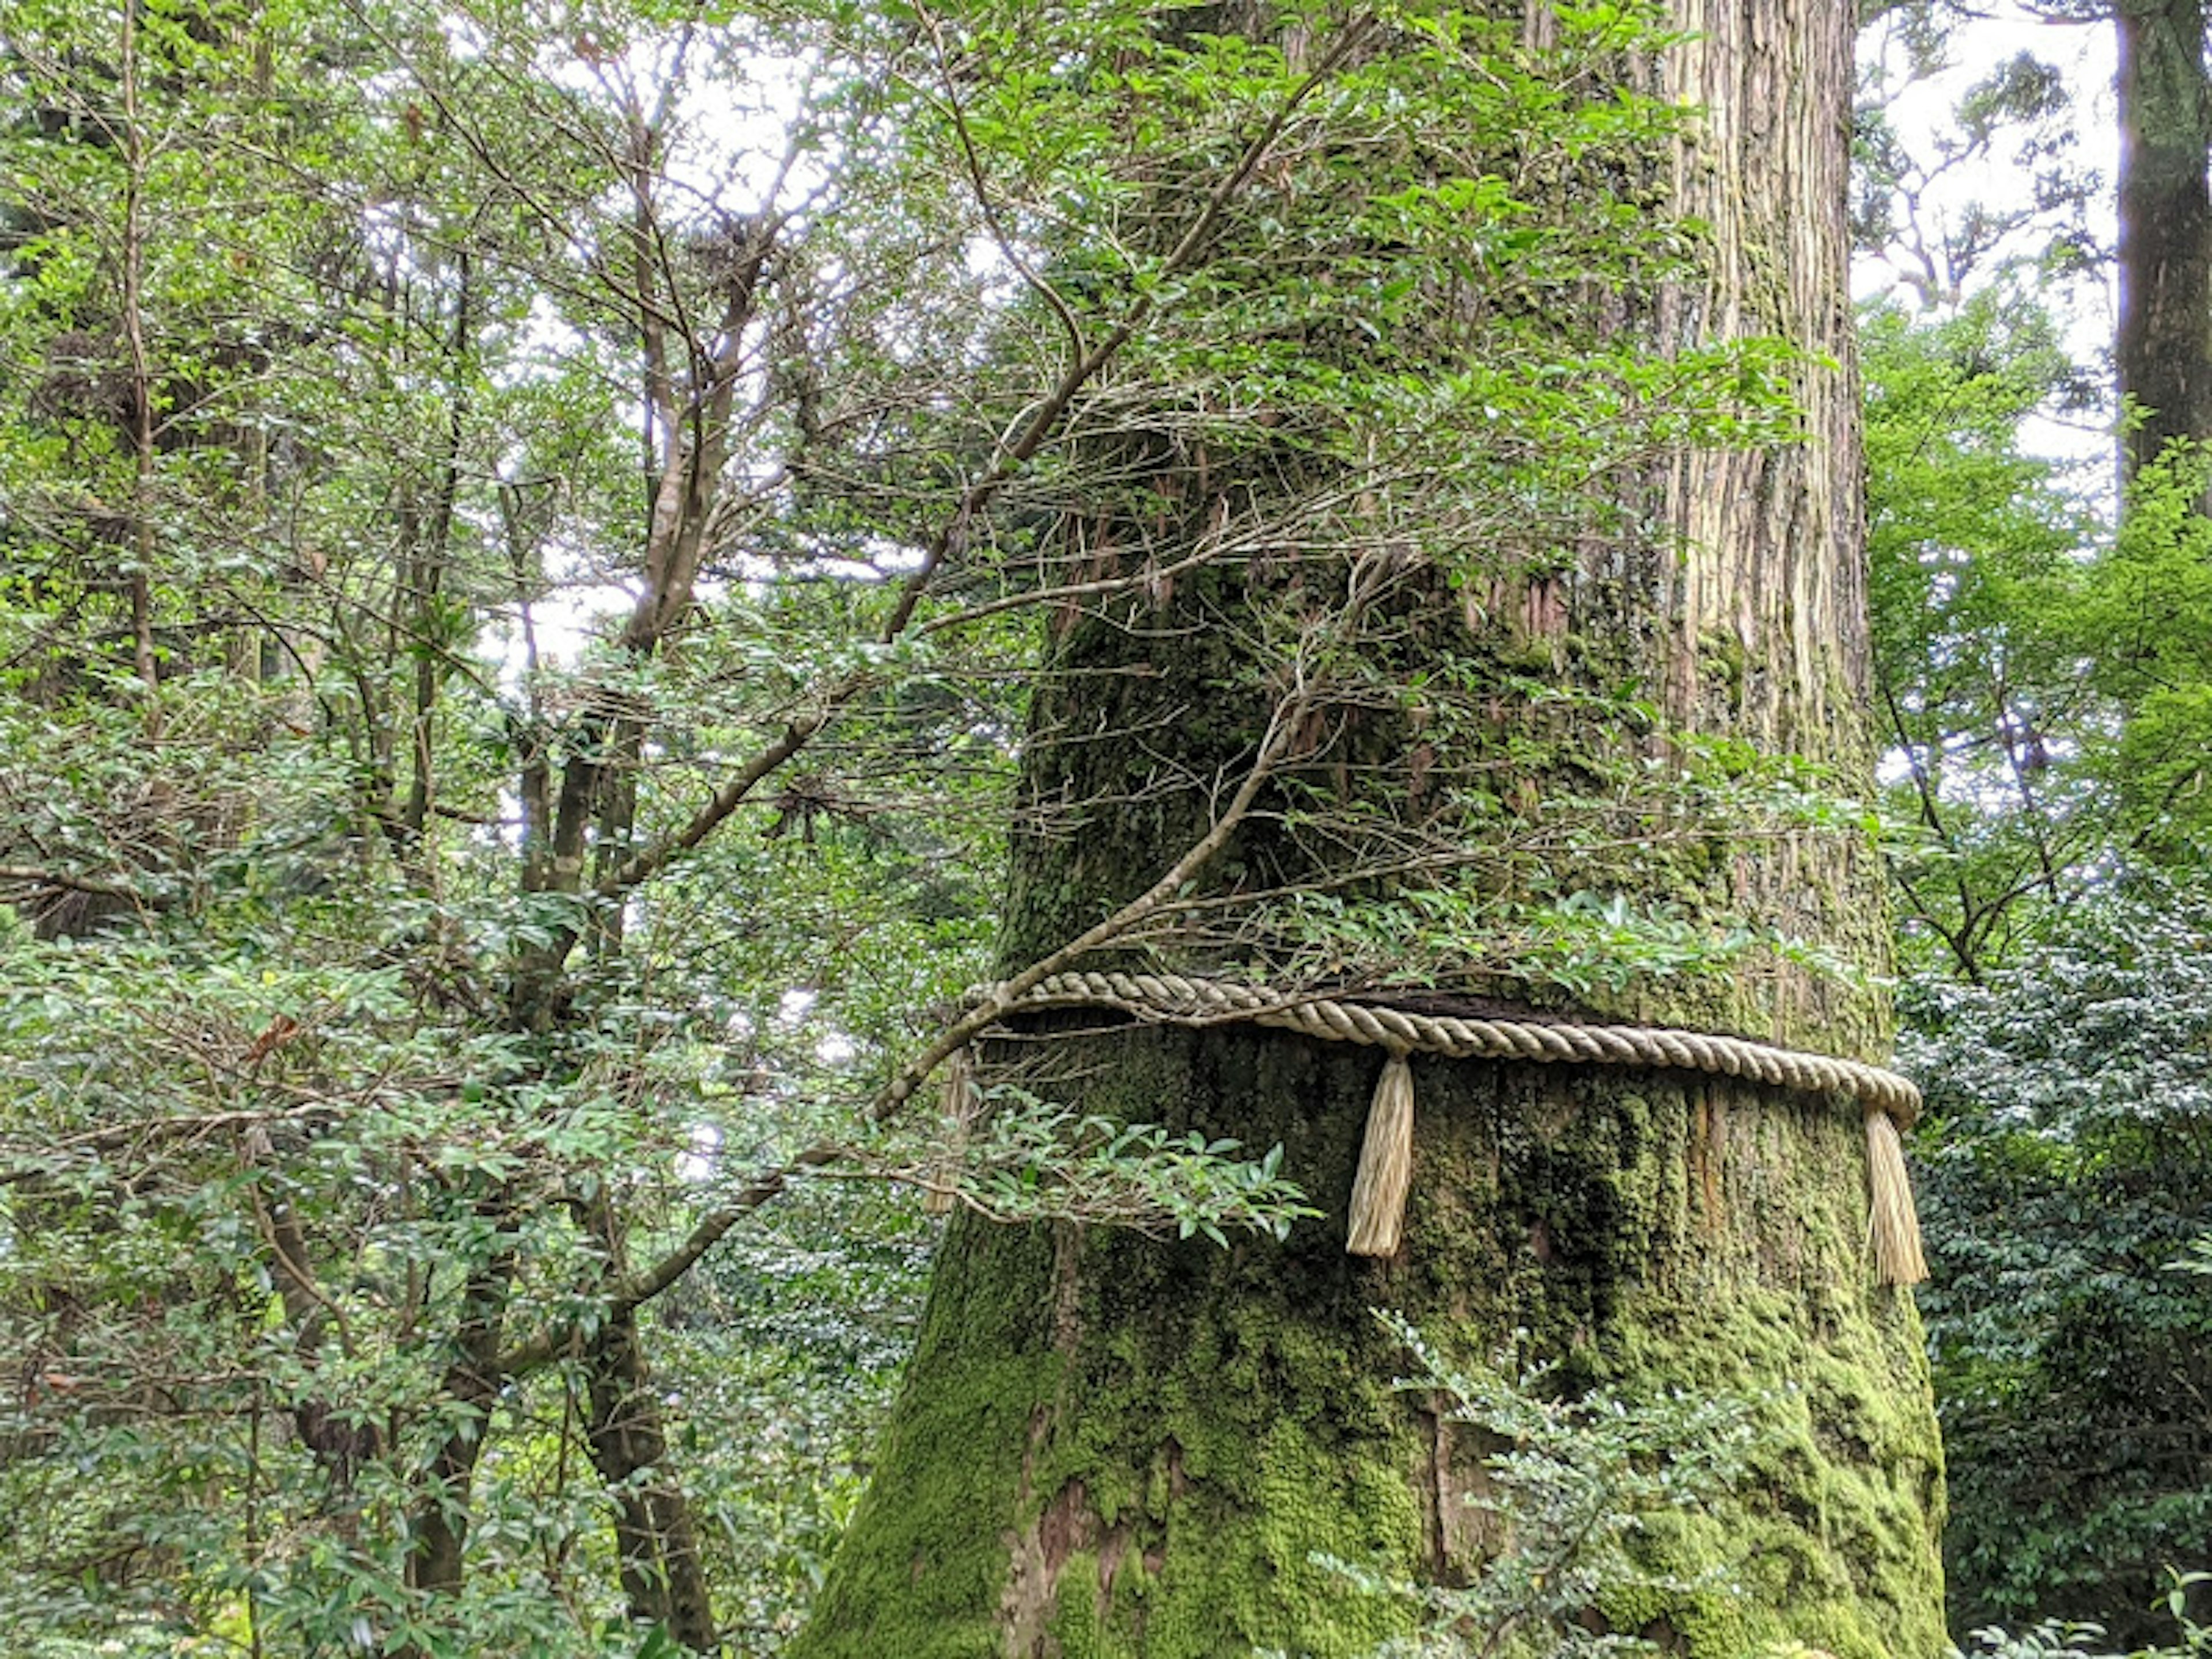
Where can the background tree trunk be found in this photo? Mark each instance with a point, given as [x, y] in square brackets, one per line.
[2164, 338]
[1111, 1446]
[662, 1576]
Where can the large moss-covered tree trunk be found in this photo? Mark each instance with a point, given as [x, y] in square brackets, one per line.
[1112, 1446]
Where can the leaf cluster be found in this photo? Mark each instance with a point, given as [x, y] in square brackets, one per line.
[2062, 1171]
[1574, 1481]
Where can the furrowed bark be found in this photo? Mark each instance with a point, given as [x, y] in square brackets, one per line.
[1110, 1446]
[2163, 344]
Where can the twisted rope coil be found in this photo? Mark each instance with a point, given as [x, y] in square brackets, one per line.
[1890, 1102]
[1174, 999]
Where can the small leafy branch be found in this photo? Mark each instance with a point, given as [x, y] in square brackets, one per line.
[2054, 1640]
[1575, 1483]
[1029, 1159]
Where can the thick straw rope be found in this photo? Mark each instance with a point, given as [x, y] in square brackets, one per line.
[1890, 1102]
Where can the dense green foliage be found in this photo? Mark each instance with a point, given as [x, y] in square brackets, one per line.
[2040, 650]
[523, 540]
[488, 784]
[1973, 548]
[2067, 1167]
[523, 545]
[1580, 1481]
[2041, 672]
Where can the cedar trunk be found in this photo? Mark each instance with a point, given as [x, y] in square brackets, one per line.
[2163, 343]
[1111, 1446]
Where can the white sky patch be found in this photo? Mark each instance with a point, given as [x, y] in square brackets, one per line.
[1924, 114]
[706, 1150]
[465, 38]
[795, 1011]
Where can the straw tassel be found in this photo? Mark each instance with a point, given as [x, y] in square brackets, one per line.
[959, 1110]
[1385, 1164]
[1895, 1223]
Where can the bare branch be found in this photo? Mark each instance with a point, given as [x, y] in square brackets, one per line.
[980, 183]
[1273, 748]
[31, 875]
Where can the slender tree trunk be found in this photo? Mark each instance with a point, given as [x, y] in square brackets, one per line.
[439, 1515]
[2164, 340]
[426, 557]
[662, 1575]
[656, 1544]
[142, 392]
[595, 792]
[1110, 1446]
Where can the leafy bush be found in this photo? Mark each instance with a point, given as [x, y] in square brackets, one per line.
[2054, 1640]
[2066, 1163]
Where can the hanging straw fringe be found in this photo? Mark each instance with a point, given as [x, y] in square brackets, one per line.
[1378, 1192]
[959, 1109]
[1385, 1164]
[1894, 1223]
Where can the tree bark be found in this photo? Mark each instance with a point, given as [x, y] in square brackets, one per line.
[1110, 1446]
[656, 1544]
[2164, 339]
[663, 1577]
[440, 1510]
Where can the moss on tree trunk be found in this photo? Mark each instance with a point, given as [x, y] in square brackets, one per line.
[1113, 1447]
[1110, 1446]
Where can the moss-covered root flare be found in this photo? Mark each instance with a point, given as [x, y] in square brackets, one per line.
[1115, 1448]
